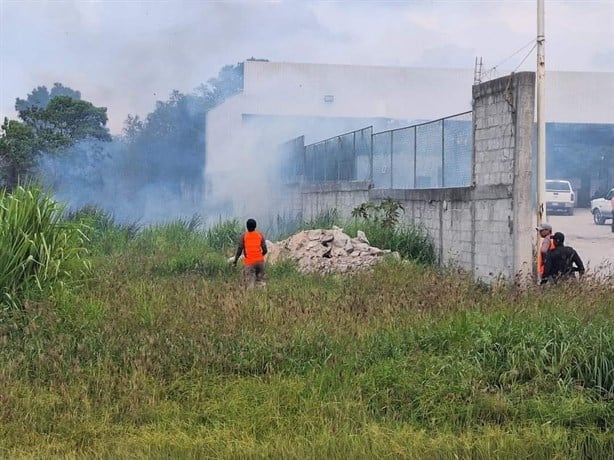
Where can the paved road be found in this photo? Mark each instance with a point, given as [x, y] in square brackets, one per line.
[594, 243]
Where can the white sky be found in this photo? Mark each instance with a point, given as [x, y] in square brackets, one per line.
[125, 55]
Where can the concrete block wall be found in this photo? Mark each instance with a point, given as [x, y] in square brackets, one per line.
[503, 221]
[447, 214]
[342, 196]
[487, 228]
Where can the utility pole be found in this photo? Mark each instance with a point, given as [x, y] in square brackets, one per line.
[541, 116]
[541, 122]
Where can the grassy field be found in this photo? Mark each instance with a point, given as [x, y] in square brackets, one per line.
[160, 353]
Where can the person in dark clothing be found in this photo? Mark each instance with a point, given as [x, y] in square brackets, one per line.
[562, 261]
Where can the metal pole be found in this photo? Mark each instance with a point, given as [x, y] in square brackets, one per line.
[541, 116]
[371, 157]
[415, 154]
[354, 159]
[391, 158]
[443, 154]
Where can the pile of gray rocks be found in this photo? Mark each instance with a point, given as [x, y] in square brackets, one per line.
[327, 251]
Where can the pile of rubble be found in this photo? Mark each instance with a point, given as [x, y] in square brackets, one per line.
[326, 251]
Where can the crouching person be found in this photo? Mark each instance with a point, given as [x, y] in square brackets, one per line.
[253, 247]
[563, 261]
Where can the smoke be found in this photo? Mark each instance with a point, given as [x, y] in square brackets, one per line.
[282, 101]
[244, 176]
[104, 175]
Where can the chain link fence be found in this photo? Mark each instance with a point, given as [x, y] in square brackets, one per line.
[429, 155]
[340, 158]
[435, 154]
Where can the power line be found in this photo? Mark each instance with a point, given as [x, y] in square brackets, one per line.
[525, 58]
[532, 41]
[489, 73]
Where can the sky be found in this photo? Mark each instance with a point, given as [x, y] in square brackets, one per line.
[125, 55]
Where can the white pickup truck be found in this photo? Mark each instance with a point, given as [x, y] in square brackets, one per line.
[559, 197]
[602, 208]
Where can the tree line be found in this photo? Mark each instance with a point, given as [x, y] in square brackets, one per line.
[168, 143]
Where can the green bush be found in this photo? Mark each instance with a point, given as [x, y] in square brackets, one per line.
[411, 242]
[381, 225]
[39, 252]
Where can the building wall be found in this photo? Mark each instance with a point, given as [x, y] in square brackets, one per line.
[281, 101]
[291, 98]
[279, 90]
[359, 91]
[486, 228]
[342, 196]
[579, 97]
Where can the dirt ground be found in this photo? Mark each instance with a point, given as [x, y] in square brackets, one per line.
[594, 243]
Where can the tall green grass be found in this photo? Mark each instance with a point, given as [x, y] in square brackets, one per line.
[184, 246]
[164, 356]
[40, 253]
[224, 236]
[104, 234]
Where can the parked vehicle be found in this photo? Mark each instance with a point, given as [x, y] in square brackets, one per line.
[560, 197]
[602, 208]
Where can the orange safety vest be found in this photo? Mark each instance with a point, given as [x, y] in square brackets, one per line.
[540, 261]
[252, 248]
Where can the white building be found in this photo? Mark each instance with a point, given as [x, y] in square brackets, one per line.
[280, 101]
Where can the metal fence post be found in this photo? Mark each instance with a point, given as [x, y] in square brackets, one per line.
[354, 159]
[415, 156]
[391, 161]
[443, 154]
[371, 159]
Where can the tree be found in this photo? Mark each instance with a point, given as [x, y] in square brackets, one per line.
[40, 97]
[228, 82]
[66, 120]
[169, 143]
[51, 122]
[17, 144]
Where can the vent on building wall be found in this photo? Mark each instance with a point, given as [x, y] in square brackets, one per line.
[329, 98]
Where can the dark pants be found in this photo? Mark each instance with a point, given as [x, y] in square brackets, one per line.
[254, 274]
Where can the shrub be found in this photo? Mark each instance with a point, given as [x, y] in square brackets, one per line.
[387, 213]
[39, 252]
[381, 225]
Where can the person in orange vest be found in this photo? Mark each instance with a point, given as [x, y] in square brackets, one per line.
[545, 232]
[253, 247]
